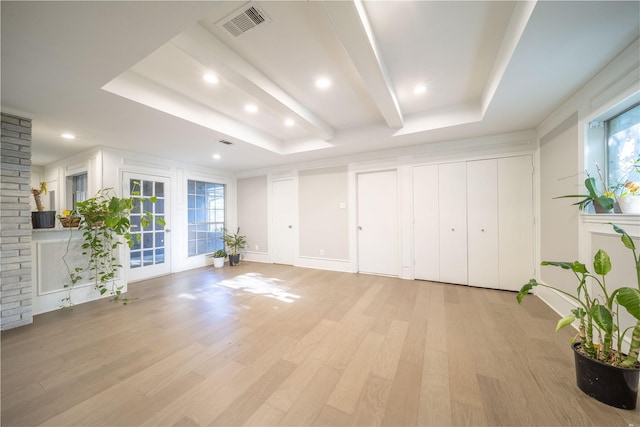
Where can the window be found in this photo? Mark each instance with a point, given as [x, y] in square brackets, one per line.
[76, 189]
[623, 147]
[205, 216]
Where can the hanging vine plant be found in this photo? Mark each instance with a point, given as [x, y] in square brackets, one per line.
[105, 225]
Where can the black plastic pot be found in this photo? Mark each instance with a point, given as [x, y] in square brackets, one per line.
[615, 386]
[234, 259]
[43, 219]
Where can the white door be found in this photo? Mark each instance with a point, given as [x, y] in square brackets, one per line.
[283, 234]
[515, 206]
[482, 223]
[426, 230]
[452, 198]
[377, 223]
[150, 256]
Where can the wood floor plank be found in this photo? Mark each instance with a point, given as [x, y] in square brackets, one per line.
[346, 394]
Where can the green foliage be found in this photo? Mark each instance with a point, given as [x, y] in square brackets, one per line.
[234, 241]
[104, 224]
[606, 200]
[220, 253]
[598, 315]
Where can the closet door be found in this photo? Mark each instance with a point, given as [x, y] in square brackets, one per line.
[426, 241]
[482, 222]
[515, 206]
[452, 199]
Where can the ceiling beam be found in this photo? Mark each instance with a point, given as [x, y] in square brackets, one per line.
[205, 48]
[352, 25]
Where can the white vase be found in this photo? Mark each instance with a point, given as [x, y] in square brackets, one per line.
[629, 204]
[218, 262]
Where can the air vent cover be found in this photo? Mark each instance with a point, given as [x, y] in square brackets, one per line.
[242, 20]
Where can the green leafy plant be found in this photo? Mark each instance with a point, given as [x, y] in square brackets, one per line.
[220, 253]
[234, 241]
[105, 225]
[606, 199]
[597, 312]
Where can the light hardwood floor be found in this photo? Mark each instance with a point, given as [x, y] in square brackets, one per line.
[262, 344]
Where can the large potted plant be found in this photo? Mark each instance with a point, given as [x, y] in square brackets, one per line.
[41, 218]
[602, 201]
[603, 370]
[105, 225]
[234, 242]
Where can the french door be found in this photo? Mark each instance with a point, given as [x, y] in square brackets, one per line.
[150, 255]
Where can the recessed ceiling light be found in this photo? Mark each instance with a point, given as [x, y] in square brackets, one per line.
[67, 135]
[216, 156]
[288, 122]
[323, 83]
[210, 78]
[419, 89]
[250, 108]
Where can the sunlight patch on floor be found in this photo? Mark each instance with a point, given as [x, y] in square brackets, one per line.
[257, 284]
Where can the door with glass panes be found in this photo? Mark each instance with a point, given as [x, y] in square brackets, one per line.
[149, 256]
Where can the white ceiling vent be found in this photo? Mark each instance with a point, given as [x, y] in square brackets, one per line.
[243, 19]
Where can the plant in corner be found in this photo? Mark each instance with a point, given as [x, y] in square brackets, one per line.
[603, 371]
[218, 258]
[41, 218]
[234, 242]
[104, 224]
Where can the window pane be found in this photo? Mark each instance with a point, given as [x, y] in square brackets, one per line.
[159, 256]
[147, 257]
[623, 147]
[159, 189]
[135, 259]
[147, 188]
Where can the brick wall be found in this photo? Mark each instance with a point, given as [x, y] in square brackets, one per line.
[15, 222]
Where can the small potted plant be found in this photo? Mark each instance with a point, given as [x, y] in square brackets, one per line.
[234, 242]
[67, 220]
[218, 258]
[41, 218]
[603, 371]
[629, 200]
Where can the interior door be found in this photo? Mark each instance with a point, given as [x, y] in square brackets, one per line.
[150, 256]
[482, 223]
[283, 237]
[377, 223]
[452, 198]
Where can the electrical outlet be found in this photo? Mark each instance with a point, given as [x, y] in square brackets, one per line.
[257, 248]
[322, 252]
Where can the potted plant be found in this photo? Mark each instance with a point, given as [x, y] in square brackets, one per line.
[603, 371]
[42, 218]
[234, 242]
[67, 220]
[629, 200]
[218, 258]
[603, 202]
[104, 224]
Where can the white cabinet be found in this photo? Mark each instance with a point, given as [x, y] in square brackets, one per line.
[473, 222]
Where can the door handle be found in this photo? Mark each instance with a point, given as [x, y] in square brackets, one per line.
[167, 230]
[290, 226]
[359, 227]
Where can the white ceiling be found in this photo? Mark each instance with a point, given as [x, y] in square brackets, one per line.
[128, 75]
